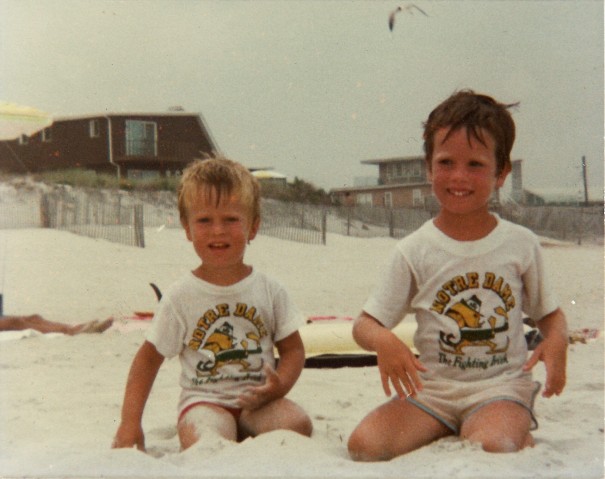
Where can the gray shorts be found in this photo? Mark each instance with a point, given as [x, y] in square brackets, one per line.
[452, 402]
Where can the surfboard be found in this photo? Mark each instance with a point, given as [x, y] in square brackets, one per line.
[330, 344]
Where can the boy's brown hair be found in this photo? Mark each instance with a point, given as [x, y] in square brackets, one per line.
[474, 112]
[218, 178]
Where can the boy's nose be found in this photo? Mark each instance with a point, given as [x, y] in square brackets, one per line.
[218, 227]
[458, 172]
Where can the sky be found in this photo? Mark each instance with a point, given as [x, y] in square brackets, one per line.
[313, 88]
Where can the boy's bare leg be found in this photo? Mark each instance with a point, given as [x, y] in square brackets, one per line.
[501, 426]
[206, 420]
[279, 414]
[395, 428]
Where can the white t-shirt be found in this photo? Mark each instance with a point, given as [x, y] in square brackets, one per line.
[222, 334]
[468, 298]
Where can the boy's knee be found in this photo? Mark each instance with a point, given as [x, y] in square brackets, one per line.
[205, 421]
[362, 449]
[282, 414]
[500, 445]
[296, 419]
[302, 425]
[503, 443]
[188, 435]
[355, 447]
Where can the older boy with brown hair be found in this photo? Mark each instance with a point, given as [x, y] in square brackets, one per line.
[223, 320]
[468, 276]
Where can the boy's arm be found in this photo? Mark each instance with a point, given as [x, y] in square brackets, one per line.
[553, 351]
[396, 362]
[143, 372]
[278, 382]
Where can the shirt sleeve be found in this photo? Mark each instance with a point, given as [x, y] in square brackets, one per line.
[539, 298]
[167, 332]
[288, 318]
[391, 298]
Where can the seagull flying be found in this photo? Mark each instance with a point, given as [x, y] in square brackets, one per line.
[405, 8]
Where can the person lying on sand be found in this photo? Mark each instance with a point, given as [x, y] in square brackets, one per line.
[38, 323]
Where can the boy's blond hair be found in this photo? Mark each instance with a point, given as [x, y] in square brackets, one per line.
[218, 178]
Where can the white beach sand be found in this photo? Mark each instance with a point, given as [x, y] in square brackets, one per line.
[60, 397]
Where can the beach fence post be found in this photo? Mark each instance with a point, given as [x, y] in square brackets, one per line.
[3, 258]
[324, 225]
[139, 230]
[581, 228]
[349, 220]
[45, 210]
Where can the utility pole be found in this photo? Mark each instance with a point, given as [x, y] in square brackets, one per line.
[585, 180]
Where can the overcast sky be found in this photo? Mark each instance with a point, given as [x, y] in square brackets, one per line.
[312, 88]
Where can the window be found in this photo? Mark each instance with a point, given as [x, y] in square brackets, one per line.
[23, 140]
[364, 199]
[46, 134]
[389, 171]
[141, 138]
[388, 199]
[417, 197]
[417, 169]
[398, 170]
[94, 129]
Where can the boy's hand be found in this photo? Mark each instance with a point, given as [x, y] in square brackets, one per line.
[398, 366]
[553, 351]
[255, 397]
[129, 437]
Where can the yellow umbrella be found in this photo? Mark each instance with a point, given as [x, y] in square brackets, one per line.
[17, 120]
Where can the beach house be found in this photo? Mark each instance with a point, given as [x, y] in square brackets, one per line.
[402, 182]
[125, 144]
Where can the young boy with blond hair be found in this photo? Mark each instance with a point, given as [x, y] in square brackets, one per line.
[223, 320]
[469, 277]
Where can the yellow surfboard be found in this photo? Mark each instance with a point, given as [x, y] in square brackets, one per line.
[336, 337]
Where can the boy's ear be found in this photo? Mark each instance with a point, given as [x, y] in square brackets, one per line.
[254, 229]
[185, 226]
[429, 171]
[503, 174]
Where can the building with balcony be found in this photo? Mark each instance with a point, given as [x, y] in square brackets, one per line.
[402, 183]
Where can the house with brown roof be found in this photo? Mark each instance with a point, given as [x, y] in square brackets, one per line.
[125, 144]
[402, 183]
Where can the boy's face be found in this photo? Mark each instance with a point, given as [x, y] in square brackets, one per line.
[219, 233]
[463, 172]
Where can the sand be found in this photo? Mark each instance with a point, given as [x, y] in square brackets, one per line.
[60, 396]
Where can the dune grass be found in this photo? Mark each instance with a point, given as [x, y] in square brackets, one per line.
[90, 179]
